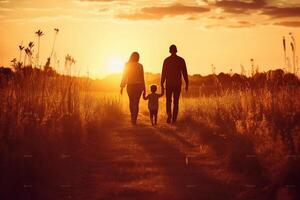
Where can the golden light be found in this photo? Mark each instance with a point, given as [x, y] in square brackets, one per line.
[115, 65]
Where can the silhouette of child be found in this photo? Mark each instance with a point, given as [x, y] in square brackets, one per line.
[153, 103]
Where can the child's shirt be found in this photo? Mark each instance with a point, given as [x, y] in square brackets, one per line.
[153, 100]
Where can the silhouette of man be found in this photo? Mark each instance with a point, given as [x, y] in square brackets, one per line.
[174, 68]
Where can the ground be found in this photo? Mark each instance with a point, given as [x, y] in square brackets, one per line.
[145, 162]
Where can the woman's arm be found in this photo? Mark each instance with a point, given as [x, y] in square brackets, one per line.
[144, 96]
[124, 77]
[162, 91]
[143, 78]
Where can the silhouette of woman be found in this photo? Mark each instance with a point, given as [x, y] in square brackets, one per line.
[133, 77]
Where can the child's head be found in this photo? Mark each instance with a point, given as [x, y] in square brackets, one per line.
[153, 88]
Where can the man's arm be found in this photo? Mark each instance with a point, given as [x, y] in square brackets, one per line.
[163, 74]
[185, 75]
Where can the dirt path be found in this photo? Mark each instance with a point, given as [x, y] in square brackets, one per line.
[146, 162]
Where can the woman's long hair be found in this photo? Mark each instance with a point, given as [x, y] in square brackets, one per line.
[134, 58]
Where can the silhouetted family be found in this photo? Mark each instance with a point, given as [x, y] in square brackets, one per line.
[174, 68]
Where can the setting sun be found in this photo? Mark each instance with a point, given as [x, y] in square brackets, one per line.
[141, 99]
[114, 65]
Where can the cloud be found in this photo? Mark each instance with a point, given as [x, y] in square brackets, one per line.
[231, 24]
[5, 9]
[254, 4]
[159, 12]
[102, 0]
[264, 7]
[271, 8]
[223, 13]
[288, 23]
[281, 12]
[138, 16]
[230, 8]
[176, 9]
[238, 6]
[242, 24]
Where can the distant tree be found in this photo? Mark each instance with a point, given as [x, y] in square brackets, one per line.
[290, 79]
[238, 81]
[224, 80]
[275, 78]
[5, 75]
[258, 80]
[209, 85]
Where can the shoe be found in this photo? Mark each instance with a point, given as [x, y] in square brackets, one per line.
[174, 121]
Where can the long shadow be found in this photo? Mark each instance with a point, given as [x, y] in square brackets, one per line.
[177, 137]
[184, 181]
[111, 167]
[102, 170]
[236, 150]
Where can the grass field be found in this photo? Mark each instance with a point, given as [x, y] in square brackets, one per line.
[61, 140]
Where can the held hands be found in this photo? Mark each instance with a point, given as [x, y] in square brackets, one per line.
[162, 89]
[144, 94]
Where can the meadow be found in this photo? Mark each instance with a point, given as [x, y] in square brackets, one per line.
[46, 119]
[254, 132]
[50, 124]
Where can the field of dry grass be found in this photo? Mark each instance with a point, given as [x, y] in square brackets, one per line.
[44, 121]
[51, 124]
[254, 132]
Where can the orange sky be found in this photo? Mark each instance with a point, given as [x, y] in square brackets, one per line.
[101, 34]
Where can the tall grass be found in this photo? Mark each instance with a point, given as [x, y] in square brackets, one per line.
[45, 121]
[255, 131]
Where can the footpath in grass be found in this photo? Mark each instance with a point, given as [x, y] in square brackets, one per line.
[145, 162]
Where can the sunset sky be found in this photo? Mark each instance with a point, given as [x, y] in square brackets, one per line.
[101, 34]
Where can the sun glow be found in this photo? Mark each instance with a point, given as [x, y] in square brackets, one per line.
[115, 65]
